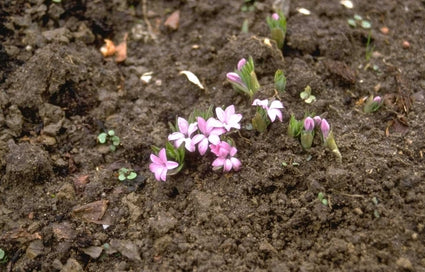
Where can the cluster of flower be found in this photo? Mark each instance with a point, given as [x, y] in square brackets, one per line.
[208, 136]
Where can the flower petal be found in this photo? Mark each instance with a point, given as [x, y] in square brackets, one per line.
[218, 162]
[227, 165]
[197, 138]
[183, 125]
[163, 174]
[202, 124]
[171, 165]
[214, 139]
[276, 104]
[155, 159]
[175, 135]
[203, 146]
[236, 163]
[192, 128]
[220, 114]
[163, 156]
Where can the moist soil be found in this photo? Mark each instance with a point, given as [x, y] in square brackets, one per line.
[62, 207]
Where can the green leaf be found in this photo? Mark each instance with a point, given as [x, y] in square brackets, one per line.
[351, 22]
[121, 177]
[112, 147]
[304, 95]
[132, 175]
[2, 254]
[366, 24]
[111, 133]
[102, 137]
[357, 17]
[115, 140]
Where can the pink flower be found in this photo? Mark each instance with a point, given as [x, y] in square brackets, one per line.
[317, 120]
[234, 78]
[273, 110]
[275, 16]
[377, 99]
[160, 165]
[325, 128]
[308, 124]
[241, 63]
[228, 117]
[184, 134]
[225, 157]
[210, 132]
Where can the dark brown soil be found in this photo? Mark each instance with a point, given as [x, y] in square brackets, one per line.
[60, 191]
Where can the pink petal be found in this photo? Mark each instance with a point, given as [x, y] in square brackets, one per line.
[202, 125]
[189, 146]
[156, 169]
[163, 156]
[276, 104]
[263, 103]
[183, 125]
[227, 165]
[236, 163]
[175, 135]
[192, 128]
[203, 146]
[197, 138]
[220, 114]
[155, 159]
[213, 123]
[233, 151]
[163, 174]
[230, 110]
[171, 165]
[214, 139]
[218, 162]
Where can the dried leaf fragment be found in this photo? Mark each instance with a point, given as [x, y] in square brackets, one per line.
[192, 78]
[173, 20]
[121, 50]
[92, 212]
[108, 49]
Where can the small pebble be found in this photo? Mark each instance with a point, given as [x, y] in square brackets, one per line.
[406, 44]
[384, 30]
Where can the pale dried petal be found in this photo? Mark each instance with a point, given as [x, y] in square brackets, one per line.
[192, 78]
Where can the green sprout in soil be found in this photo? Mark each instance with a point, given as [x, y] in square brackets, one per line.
[280, 81]
[126, 174]
[110, 138]
[307, 133]
[357, 20]
[244, 79]
[372, 104]
[277, 25]
[248, 5]
[307, 96]
[321, 197]
[294, 127]
[369, 47]
[3, 256]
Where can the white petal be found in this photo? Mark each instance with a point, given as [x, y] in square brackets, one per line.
[192, 78]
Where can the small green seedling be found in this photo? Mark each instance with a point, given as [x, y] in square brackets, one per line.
[294, 127]
[321, 197]
[307, 96]
[358, 20]
[285, 164]
[110, 136]
[126, 174]
[3, 256]
[280, 81]
[248, 5]
[369, 47]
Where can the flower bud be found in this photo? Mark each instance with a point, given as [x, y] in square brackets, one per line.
[275, 16]
[317, 120]
[325, 128]
[377, 99]
[308, 124]
[241, 63]
[234, 78]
